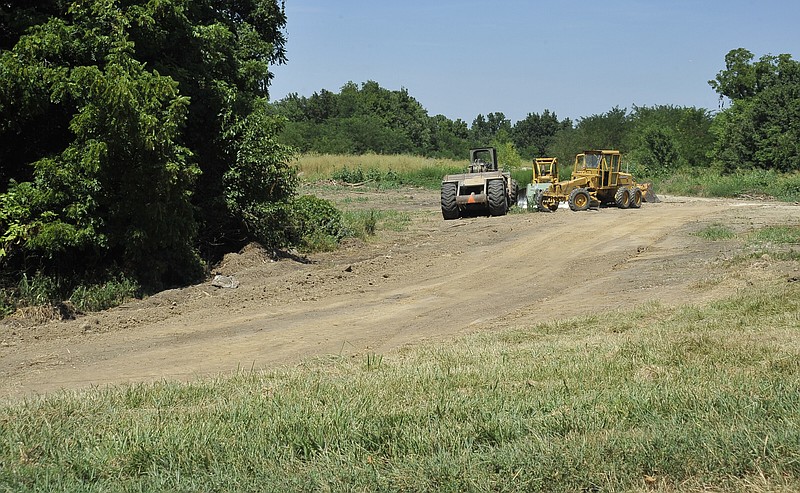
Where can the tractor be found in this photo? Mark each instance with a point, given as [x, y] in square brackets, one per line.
[545, 172]
[483, 188]
[596, 180]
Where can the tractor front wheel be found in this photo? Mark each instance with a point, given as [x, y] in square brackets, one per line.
[449, 206]
[496, 192]
[579, 199]
[541, 206]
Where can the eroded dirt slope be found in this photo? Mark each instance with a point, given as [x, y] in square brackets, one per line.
[433, 281]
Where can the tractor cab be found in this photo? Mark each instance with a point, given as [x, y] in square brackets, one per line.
[545, 170]
[482, 160]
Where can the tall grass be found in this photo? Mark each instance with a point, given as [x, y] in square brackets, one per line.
[709, 183]
[384, 171]
[365, 223]
[678, 399]
[396, 170]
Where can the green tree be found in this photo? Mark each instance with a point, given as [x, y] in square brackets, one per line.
[487, 129]
[664, 138]
[533, 134]
[119, 191]
[760, 128]
[113, 113]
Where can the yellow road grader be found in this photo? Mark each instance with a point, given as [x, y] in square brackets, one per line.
[545, 172]
[597, 179]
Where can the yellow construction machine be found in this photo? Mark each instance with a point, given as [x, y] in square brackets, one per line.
[545, 172]
[597, 179]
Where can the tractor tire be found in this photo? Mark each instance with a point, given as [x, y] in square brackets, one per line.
[540, 205]
[623, 197]
[512, 197]
[498, 203]
[449, 206]
[636, 198]
[579, 200]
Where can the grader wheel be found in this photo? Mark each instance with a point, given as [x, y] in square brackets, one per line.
[636, 198]
[579, 199]
[623, 197]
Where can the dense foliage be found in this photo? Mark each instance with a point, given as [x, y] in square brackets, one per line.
[374, 119]
[134, 136]
[760, 129]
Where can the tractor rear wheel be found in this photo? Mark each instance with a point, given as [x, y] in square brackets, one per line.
[636, 197]
[623, 197]
[512, 197]
[496, 191]
[579, 199]
[449, 206]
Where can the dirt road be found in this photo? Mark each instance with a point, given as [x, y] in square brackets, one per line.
[433, 281]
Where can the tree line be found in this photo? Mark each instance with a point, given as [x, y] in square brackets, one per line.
[757, 130]
[137, 138]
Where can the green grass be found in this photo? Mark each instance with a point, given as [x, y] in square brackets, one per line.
[715, 232]
[365, 223]
[708, 183]
[386, 172]
[99, 297]
[673, 398]
[43, 291]
[380, 171]
[782, 235]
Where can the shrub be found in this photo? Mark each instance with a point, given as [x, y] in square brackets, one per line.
[317, 223]
[347, 175]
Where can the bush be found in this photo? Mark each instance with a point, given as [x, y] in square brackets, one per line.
[317, 224]
[347, 175]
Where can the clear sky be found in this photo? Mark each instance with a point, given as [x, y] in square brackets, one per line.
[576, 58]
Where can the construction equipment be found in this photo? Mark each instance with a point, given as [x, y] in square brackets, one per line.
[596, 180]
[484, 188]
[545, 172]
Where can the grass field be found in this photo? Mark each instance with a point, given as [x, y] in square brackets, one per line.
[395, 171]
[689, 398]
[385, 171]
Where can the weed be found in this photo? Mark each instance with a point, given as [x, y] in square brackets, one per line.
[782, 235]
[38, 290]
[365, 223]
[715, 232]
[709, 183]
[103, 296]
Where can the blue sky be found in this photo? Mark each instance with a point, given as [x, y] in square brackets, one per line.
[576, 58]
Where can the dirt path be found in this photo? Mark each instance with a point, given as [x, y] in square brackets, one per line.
[435, 280]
